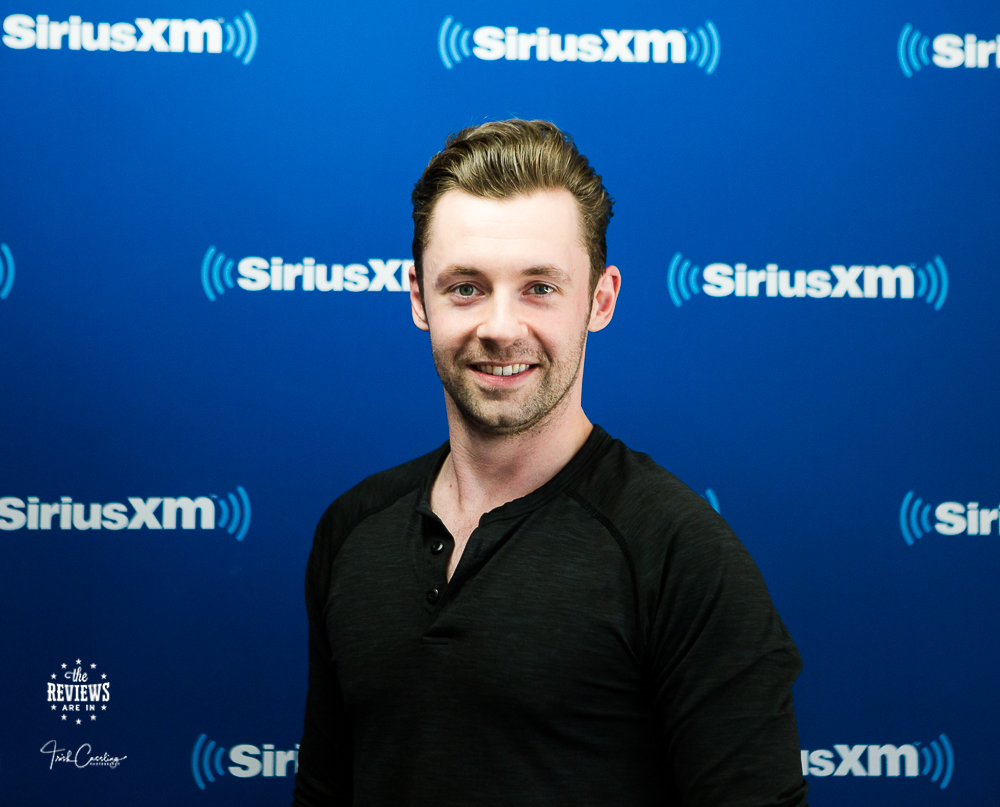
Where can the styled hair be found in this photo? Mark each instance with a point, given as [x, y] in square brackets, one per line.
[508, 158]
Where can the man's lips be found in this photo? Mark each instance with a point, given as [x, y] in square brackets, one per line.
[501, 369]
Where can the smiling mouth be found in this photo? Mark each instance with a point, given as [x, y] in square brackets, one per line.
[502, 369]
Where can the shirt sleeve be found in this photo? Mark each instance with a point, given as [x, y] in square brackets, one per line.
[722, 666]
[326, 753]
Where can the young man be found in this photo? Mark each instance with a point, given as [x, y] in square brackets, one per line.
[534, 614]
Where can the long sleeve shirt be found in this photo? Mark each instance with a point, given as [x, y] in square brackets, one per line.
[604, 640]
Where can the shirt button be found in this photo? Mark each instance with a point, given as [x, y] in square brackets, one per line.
[433, 595]
[437, 547]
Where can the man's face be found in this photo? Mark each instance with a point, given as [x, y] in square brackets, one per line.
[506, 299]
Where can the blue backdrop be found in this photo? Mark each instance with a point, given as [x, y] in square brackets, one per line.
[203, 220]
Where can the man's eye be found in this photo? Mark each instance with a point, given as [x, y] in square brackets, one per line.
[465, 290]
[542, 288]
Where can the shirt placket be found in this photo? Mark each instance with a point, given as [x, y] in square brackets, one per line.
[436, 549]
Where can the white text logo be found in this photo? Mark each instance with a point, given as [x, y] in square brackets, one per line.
[260, 274]
[950, 50]
[676, 46]
[953, 518]
[907, 282]
[160, 35]
[935, 759]
[82, 688]
[248, 761]
[231, 513]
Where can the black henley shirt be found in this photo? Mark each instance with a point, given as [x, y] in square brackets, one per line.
[604, 640]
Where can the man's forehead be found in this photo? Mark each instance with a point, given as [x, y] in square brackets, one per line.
[547, 215]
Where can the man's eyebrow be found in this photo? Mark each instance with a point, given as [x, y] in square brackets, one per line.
[455, 271]
[549, 271]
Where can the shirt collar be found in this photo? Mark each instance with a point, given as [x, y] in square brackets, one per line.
[589, 452]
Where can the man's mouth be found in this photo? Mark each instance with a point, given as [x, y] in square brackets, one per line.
[501, 369]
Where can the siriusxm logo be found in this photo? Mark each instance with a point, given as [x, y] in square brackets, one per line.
[950, 50]
[712, 499]
[257, 274]
[928, 283]
[700, 47]
[868, 760]
[6, 271]
[162, 35]
[230, 513]
[953, 518]
[248, 761]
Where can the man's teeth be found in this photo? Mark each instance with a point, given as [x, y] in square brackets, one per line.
[503, 369]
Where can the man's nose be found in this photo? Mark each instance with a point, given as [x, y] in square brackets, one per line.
[500, 321]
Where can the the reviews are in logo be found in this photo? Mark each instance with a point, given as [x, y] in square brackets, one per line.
[78, 692]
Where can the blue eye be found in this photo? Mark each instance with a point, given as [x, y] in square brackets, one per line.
[542, 288]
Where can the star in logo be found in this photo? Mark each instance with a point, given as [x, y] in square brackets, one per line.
[78, 721]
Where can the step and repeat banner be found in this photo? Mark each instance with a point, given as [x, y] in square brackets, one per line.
[204, 242]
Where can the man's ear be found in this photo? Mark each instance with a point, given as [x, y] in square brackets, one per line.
[605, 296]
[417, 303]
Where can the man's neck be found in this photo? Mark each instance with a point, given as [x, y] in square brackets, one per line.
[485, 471]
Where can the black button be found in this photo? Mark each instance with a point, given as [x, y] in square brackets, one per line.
[437, 547]
[433, 595]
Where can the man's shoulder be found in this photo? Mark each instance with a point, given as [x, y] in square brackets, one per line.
[624, 481]
[649, 507]
[676, 543]
[376, 493]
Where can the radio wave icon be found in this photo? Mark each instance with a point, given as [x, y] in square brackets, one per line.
[204, 758]
[913, 520]
[712, 499]
[682, 279]
[704, 48]
[912, 50]
[246, 29]
[232, 516]
[943, 760]
[6, 271]
[214, 274]
[933, 279]
[453, 42]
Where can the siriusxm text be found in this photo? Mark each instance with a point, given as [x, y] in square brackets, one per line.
[257, 274]
[16, 514]
[249, 760]
[862, 760]
[952, 50]
[954, 518]
[722, 280]
[610, 46]
[161, 35]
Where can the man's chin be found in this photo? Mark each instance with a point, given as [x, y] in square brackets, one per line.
[499, 421]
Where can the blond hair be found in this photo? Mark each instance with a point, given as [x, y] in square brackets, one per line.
[508, 158]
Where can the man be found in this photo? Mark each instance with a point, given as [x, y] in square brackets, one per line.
[533, 614]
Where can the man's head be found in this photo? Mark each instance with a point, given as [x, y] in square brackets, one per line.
[509, 287]
[503, 159]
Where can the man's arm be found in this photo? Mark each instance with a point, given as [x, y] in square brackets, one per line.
[722, 666]
[324, 776]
